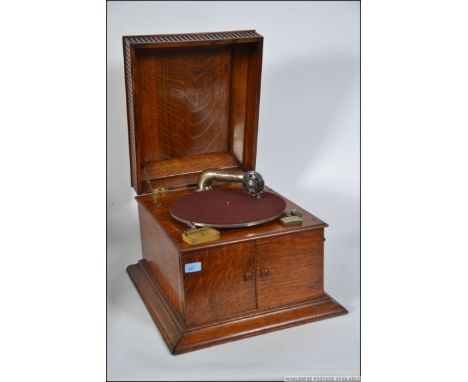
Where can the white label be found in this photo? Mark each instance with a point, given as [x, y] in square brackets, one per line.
[193, 267]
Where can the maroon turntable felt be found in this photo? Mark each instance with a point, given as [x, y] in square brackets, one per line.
[227, 208]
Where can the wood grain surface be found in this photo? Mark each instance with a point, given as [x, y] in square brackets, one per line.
[289, 268]
[162, 258]
[221, 288]
[188, 110]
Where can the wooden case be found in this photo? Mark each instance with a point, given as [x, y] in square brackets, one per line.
[192, 103]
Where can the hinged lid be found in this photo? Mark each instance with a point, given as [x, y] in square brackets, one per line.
[192, 104]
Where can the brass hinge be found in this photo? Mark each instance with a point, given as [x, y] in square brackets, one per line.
[160, 190]
[155, 192]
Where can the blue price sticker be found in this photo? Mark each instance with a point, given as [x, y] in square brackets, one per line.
[193, 267]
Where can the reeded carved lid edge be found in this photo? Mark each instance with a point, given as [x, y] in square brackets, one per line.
[191, 37]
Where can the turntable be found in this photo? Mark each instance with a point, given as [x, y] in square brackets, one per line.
[224, 256]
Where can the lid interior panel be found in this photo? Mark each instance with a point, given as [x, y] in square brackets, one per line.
[195, 107]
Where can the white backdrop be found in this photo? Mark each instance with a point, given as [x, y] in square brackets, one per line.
[308, 150]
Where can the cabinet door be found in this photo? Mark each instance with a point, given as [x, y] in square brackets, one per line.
[289, 268]
[219, 282]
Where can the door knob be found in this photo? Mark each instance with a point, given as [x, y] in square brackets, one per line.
[248, 276]
[264, 272]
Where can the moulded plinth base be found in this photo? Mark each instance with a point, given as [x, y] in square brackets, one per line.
[181, 338]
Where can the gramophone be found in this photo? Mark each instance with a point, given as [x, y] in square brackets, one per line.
[224, 256]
